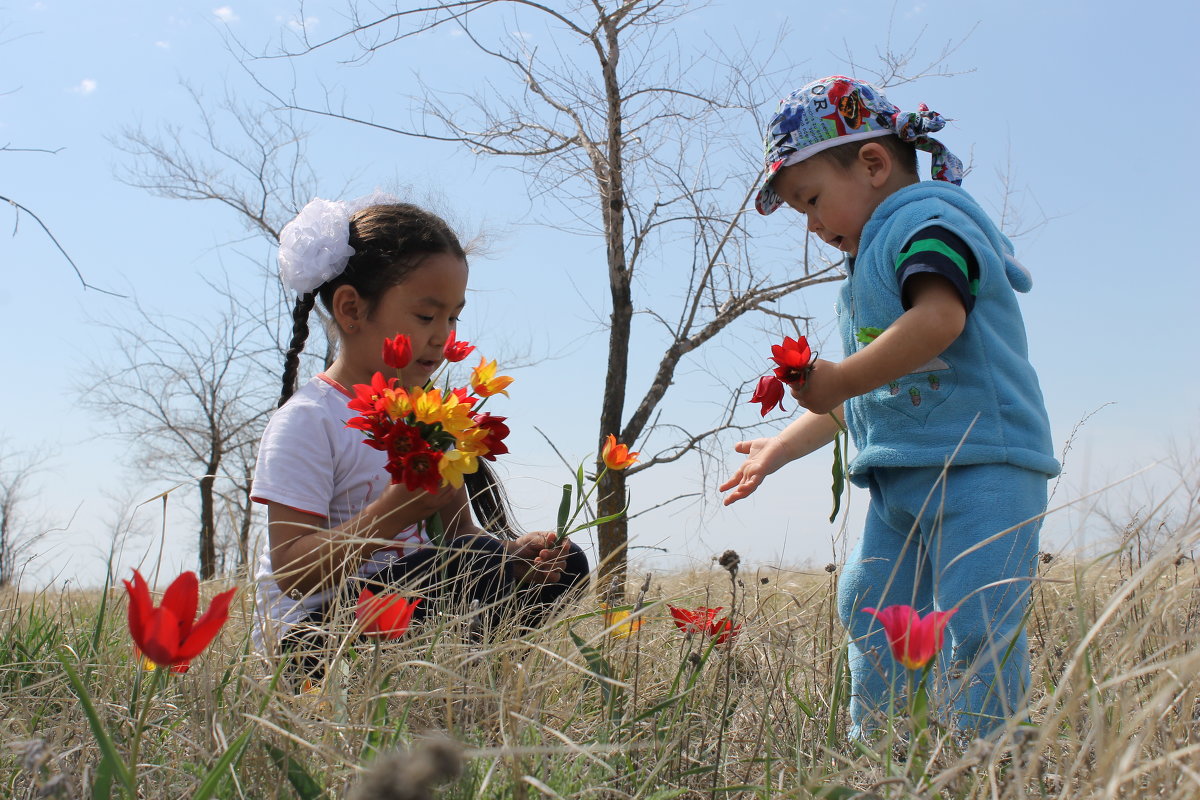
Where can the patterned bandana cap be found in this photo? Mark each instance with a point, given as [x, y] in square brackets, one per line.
[837, 110]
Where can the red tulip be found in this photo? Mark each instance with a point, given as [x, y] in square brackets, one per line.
[496, 432]
[914, 639]
[170, 634]
[794, 358]
[454, 350]
[385, 615]
[769, 392]
[397, 352]
[704, 620]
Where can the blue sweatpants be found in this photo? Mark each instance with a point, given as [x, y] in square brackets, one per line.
[916, 550]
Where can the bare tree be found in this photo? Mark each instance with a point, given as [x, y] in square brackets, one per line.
[251, 160]
[188, 393]
[644, 144]
[19, 529]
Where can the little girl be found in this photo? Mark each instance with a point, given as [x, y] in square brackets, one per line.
[336, 523]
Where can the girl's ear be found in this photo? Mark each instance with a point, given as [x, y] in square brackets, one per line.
[348, 308]
[877, 161]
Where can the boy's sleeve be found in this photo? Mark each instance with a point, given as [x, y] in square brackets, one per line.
[942, 252]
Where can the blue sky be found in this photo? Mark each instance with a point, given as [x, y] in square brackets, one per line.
[1088, 108]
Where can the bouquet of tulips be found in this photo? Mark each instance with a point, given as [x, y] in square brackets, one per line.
[432, 437]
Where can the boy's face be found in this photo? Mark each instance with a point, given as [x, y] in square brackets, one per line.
[837, 200]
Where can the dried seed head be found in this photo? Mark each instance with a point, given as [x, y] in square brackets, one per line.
[694, 659]
[411, 774]
[730, 560]
[831, 567]
[764, 581]
[1045, 557]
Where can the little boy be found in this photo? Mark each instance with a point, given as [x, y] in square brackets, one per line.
[936, 389]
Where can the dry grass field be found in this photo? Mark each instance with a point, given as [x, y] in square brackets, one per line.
[574, 711]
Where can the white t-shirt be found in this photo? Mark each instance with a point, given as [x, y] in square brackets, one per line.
[310, 461]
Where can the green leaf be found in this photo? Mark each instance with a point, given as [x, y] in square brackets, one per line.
[305, 785]
[839, 475]
[593, 523]
[564, 511]
[105, 741]
[435, 529]
[868, 335]
[102, 785]
[220, 770]
[596, 663]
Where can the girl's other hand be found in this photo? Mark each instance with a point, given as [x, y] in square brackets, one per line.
[538, 557]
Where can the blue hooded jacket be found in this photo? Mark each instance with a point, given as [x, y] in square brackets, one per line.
[982, 392]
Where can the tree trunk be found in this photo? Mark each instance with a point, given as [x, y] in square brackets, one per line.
[244, 527]
[208, 530]
[613, 536]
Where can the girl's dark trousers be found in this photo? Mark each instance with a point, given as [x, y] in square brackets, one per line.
[472, 574]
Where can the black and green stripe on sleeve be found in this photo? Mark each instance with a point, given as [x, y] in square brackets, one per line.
[937, 250]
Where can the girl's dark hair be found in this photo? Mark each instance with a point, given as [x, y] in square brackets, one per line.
[390, 241]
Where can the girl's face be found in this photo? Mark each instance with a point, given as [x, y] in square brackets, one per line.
[424, 307]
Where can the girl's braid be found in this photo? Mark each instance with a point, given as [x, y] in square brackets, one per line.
[291, 363]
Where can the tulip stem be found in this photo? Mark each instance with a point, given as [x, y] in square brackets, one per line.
[155, 682]
[564, 521]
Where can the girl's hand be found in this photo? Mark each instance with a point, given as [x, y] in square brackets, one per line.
[409, 506]
[765, 456]
[537, 558]
[824, 389]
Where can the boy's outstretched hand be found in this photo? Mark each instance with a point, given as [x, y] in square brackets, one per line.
[764, 456]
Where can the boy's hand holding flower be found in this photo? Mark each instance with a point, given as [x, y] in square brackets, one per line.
[823, 389]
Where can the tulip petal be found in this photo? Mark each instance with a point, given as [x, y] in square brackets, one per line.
[207, 627]
[162, 638]
[141, 609]
[182, 597]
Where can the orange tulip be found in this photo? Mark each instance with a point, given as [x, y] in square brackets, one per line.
[486, 382]
[617, 456]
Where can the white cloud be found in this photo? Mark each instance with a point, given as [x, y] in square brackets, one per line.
[163, 45]
[225, 14]
[308, 23]
[86, 86]
[916, 10]
[457, 32]
[522, 35]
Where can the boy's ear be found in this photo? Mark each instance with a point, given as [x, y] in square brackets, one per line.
[348, 308]
[877, 161]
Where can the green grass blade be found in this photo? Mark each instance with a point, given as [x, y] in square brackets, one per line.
[99, 731]
[305, 785]
[216, 776]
